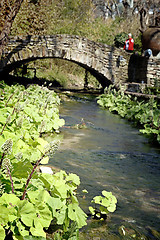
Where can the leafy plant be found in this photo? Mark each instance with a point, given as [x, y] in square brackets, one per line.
[138, 44]
[103, 205]
[31, 202]
[31, 216]
[120, 39]
[25, 116]
[146, 114]
[28, 206]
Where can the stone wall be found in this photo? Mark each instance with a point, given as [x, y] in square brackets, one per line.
[153, 72]
[144, 70]
[108, 64]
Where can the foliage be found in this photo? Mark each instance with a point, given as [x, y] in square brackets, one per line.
[33, 18]
[50, 198]
[69, 17]
[32, 202]
[120, 39]
[29, 200]
[145, 113]
[138, 44]
[26, 114]
[8, 12]
[105, 203]
[153, 90]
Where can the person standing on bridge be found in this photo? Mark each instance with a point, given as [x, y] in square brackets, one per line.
[129, 44]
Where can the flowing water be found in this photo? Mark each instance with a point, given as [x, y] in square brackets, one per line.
[111, 154]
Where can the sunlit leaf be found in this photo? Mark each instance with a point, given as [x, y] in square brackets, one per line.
[2, 233]
[76, 214]
[27, 213]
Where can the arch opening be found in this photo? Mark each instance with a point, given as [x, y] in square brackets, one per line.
[77, 73]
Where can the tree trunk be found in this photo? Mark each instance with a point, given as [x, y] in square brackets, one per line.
[144, 18]
[9, 13]
[126, 8]
[131, 4]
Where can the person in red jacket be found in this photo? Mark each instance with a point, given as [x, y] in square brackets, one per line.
[129, 44]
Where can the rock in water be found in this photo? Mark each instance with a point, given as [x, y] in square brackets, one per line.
[46, 170]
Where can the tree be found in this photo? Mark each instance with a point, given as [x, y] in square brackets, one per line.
[8, 12]
[144, 7]
[128, 6]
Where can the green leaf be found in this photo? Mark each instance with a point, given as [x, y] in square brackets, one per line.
[38, 196]
[45, 160]
[73, 178]
[20, 146]
[42, 144]
[17, 237]
[38, 229]
[3, 119]
[61, 187]
[33, 238]
[111, 208]
[48, 126]
[21, 169]
[109, 195]
[4, 218]
[84, 191]
[9, 199]
[60, 215]
[27, 213]
[8, 209]
[103, 210]
[92, 210]
[76, 214]
[21, 228]
[2, 233]
[35, 155]
[55, 203]
[12, 214]
[2, 141]
[48, 180]
[97, 199]
[44, 215]
[98, 215]
[58, 208]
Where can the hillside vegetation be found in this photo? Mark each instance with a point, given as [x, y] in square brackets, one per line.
[69, 17]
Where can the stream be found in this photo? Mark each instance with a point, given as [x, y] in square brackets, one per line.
[111, 154]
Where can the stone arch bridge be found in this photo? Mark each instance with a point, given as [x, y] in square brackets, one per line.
[99, 59]
[106, 63]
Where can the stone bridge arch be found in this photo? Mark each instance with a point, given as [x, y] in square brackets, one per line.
[101, 60]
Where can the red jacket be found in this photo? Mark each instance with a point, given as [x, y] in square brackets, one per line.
[129, 43]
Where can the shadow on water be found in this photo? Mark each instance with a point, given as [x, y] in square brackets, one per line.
[111, 154]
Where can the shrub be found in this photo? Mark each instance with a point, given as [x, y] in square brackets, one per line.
[119, 39]
[138, 44]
